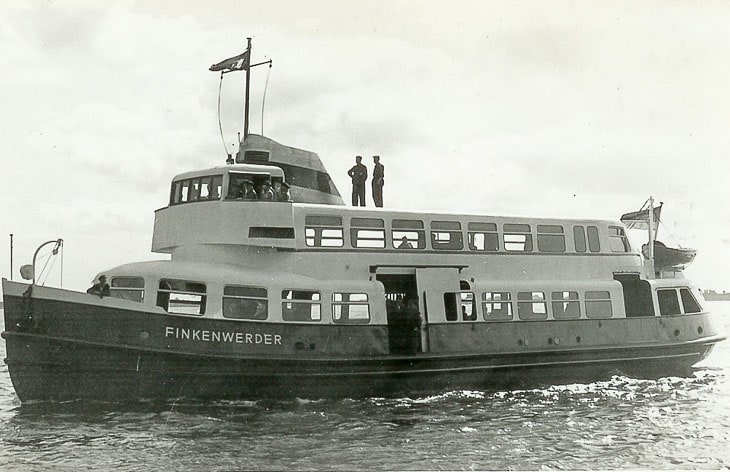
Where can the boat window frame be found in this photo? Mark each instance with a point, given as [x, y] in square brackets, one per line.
[457, 308]
[662, 301]
[620, 238]
[489, 233]
[682, 291]
[261, 300]
[344, 306]
[517, 237]
[449, 229]
[593, 299]
[550, 238]
[115, 290]
[370, 231]
[186, 291]
[413, 230]
[315, 305]
[320, 227]
[565, 305]
[489, 306]
[527, 300]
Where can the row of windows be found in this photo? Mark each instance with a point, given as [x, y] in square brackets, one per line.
[196, 189]
[251, 303]
[328, 231]
[531, 306]
[245, 303]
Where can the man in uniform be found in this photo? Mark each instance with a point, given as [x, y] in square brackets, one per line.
[281, 192]
[248, 192]
[266, 193]
[100, 288]
[378, 181]
[359, 174]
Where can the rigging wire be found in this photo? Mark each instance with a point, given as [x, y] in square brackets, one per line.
[220, 126]
[263, 100]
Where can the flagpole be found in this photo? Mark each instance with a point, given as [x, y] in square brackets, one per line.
[651, 228]
[248, 80]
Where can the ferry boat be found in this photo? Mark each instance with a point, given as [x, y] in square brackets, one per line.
[312, 298]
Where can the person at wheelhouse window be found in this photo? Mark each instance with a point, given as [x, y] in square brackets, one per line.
[281, 192]
[266, 193]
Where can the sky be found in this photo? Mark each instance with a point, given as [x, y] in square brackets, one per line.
[533, 108]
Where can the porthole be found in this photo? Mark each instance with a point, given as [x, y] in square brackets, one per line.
[676, 333]
[700, 330]
[577, 339]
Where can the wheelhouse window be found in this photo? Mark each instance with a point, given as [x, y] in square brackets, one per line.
[550, 238]
[350, 308]
[301, 305]
[497, 306]
[598, 304]
[196, 189]
[245, 303]
[517, 237]
[367, 233]
[668, 302]
[460, 306]
[689, 302]
[323, 231]
[128, 288]
[531, 306]
[579, 238]
[618, 240]
[565, 305]
[482, 236]
[408, 234]
[446, 235]
[181, 297]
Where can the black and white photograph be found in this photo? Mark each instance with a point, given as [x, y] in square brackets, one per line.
[364, 235]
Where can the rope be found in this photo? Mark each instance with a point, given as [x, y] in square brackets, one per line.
[220, 126]
[263, 100]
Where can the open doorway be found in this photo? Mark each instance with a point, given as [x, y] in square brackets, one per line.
[401, 304]
[637, 295]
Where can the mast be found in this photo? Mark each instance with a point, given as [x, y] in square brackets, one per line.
[248, 81]
[651, 228]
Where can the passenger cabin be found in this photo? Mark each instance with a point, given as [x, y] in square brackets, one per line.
[315, 261]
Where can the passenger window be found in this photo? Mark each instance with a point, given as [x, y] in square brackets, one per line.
[497, 306]
[408, 234]
[350, 308]
[517, 237]
[579, 238]
[531, 306]
[128, 288]
[482, 236]
[323, 231]
[550, 238]
[446, 235]
[185, 191]
[594, 243]
[566, 305]
[181, 297]
[245, 303]
[300, 305]
[689, 302]
[668, 302]
[618, 240]
[367, 233]
[175, 193]
[598, 304]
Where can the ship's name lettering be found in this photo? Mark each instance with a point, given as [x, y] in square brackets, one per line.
[206, 335]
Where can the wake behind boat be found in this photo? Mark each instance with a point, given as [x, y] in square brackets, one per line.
[308, 297]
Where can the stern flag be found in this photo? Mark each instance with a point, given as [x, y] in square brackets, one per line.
[640, 219]
[239, 62]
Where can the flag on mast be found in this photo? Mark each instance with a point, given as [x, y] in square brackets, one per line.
[640, 219]
[240, 62]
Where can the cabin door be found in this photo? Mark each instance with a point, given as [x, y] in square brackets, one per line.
[432, 283]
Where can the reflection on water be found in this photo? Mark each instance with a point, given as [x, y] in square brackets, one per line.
[681, 423]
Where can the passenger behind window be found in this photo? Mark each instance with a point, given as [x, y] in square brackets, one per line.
[212, 191]
[281, 192]
[234, 189]
[405, 244]
[266, 193]
[248, 192]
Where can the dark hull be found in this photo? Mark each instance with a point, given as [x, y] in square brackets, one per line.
[64, 350]
[49, 369]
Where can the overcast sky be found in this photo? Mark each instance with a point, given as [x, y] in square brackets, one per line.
[572, 109]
